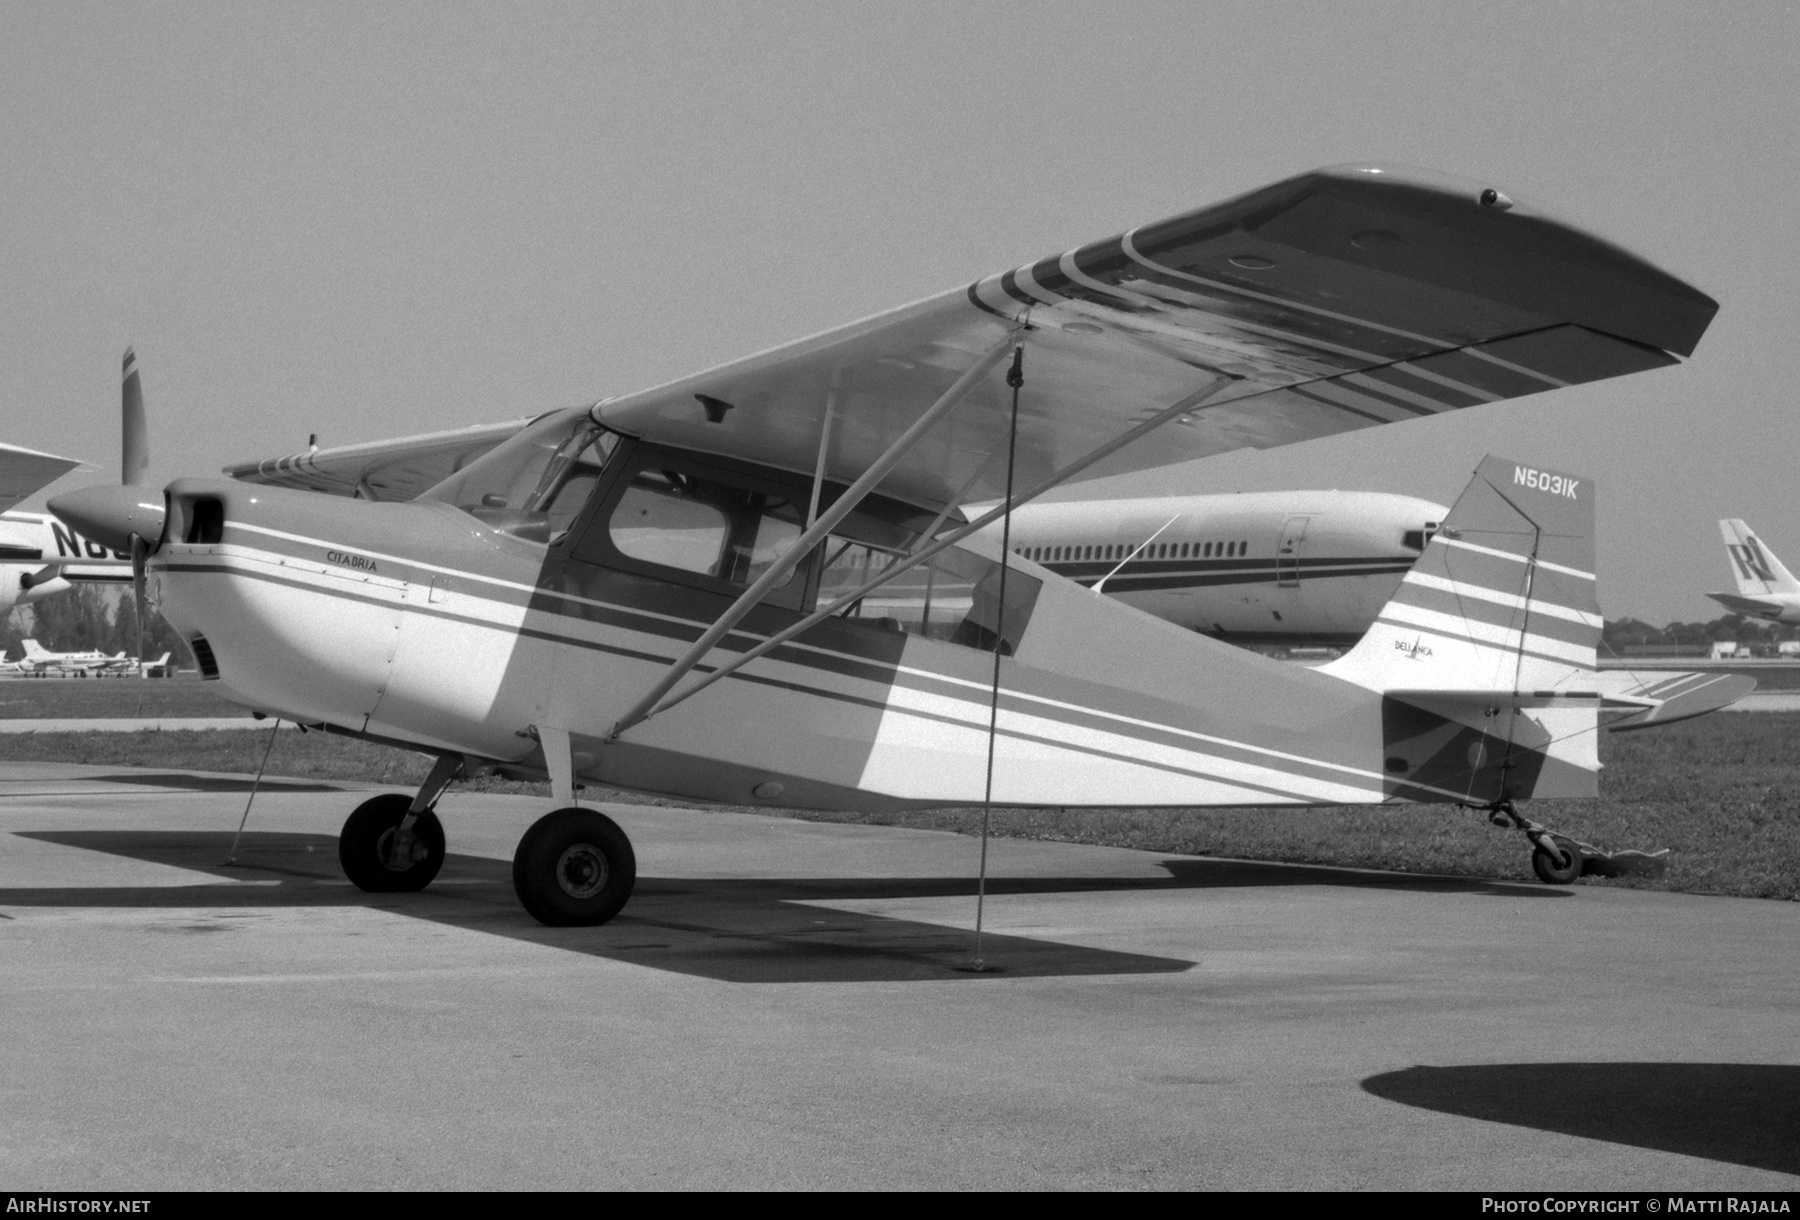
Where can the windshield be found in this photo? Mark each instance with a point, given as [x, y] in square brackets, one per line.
[532, 485]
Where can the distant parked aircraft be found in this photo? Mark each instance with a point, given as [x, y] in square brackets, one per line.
[1766, 588]
[42, 660]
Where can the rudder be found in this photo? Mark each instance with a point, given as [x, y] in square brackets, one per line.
[1503, 597]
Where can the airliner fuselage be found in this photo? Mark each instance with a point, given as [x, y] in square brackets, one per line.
[1289, 567]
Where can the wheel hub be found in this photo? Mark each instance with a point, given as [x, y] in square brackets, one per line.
[581, 871]
[384, 851]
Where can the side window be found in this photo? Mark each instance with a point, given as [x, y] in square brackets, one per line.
[657, 522]
[954, 596]
[702, 523]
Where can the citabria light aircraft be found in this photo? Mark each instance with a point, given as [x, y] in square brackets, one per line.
[666, 590]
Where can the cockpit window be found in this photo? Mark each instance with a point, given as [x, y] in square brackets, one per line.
[533, 485]
[677, 517]
[680, 520]
[954, 596]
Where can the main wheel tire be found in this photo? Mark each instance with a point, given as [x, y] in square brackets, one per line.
[574, 868]
[368, 834]
[1552, 871]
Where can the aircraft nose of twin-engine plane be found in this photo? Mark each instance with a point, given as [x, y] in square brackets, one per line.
[111, 515]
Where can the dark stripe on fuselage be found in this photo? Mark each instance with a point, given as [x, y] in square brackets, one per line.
[1159, 574]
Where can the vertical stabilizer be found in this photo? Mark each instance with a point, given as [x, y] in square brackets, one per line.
[1503, 597]
[1486, 652]
[1757, 571]
[134, 444]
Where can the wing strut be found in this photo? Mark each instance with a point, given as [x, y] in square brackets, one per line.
[1015, 377]
[1184, 406]
[831, 403]
[778, 571]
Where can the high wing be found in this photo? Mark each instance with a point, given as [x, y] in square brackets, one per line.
[1337, 300]
[24, 471]
[396, 469]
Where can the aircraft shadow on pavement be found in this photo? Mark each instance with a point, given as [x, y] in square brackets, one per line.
[733, 930]
[1741, 1113]
[753, 931]
[187, 782]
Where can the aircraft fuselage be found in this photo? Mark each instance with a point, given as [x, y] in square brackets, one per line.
[40, 556]
[424, 625]
[1289, 567]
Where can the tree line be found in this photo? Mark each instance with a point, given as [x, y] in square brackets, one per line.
[1755, 634]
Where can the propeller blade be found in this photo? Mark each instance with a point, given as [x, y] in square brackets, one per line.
[134, 447]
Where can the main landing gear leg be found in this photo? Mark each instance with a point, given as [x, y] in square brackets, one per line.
[392, 844]
[1556, 859]
[574, 867]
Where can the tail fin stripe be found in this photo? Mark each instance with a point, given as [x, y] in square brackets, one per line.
[1485, 573]
[1477, 613]
[1488, 550]
[1457, 588]
[1507, 639]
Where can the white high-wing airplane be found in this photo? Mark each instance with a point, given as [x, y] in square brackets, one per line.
[661, 590]
[1766, 588]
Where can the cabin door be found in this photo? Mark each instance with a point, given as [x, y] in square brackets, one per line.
[1287, 554]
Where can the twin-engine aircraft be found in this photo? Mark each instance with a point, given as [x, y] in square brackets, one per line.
[39, 555]
[1766, 589]
[757, 584]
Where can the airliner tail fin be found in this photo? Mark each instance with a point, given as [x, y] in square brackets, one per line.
[1757, 570]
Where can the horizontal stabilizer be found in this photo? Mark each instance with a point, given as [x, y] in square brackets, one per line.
[1623, 699]
[1666, 697]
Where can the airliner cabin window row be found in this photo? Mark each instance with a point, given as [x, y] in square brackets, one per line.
[1135, 552]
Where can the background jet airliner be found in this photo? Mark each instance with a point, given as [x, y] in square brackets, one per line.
[1278, 567]
[1766, 588]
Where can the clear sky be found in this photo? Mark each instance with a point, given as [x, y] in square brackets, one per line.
[367, 220]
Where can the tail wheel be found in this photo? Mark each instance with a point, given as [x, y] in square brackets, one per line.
[365, 846]
[574, 868]
[1554, 871]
